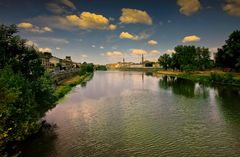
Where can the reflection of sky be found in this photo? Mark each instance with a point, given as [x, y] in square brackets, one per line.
[129, 112]
[114, 83]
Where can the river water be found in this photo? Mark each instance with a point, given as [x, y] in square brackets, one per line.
[132, 114]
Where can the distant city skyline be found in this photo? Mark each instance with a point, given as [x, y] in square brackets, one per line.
[103, 31]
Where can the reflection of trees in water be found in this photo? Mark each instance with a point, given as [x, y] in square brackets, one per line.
[183, 87]
[149, 73]
[84, 83]
[229, 97]
[42, 144]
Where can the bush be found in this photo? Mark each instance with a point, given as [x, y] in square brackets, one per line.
[221, 78]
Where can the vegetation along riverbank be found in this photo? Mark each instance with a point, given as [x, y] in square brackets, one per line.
[206, 77]
[27, 88]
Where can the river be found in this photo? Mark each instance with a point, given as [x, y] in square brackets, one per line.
[132, 114]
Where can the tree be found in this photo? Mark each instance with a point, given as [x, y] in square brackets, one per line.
[26, 91]
[165, 61]
[228, 56]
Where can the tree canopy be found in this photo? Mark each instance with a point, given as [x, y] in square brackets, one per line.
[229, 55]
[26, 91]
[186, 58]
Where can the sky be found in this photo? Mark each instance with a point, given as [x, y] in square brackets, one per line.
[105, 31]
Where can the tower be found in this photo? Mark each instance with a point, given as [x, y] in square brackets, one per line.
[123, 60]
[142, 58]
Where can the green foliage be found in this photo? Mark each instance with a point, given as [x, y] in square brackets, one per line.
[86, 68]
[187, 58]
[26, 91]
[223, 78]
[149, 64]
[165, 61]
[65, 88]
[101, 67]
[229, 55]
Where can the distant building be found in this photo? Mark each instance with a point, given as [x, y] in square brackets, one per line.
[68, 58]
[45, 58]
[54, 60]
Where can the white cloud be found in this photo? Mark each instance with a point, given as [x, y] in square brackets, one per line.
[135, 16]
[189, 7]
[101, 47]
[32, 28]
[126, 35]
[154, 52]
[113, 54]
[191, 38]
[232, 7]
[58, 48]
[138, 51]
[142, 35]
[152, 42]
[45, 49]
[169, 51]
[93, 46]
[88, 20]
[25, 25]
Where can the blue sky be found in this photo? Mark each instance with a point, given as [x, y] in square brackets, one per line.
[105, 31]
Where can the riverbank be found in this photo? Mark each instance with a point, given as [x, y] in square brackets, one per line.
[65, 87]
[216, 77]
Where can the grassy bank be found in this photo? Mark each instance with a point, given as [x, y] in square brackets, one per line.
[68, 84]
[207, 77]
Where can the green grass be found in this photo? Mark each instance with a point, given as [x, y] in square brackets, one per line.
[67, 85]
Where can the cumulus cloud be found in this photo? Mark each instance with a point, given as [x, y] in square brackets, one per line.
[169, 51]
[154, 52]
[58, 48]
[152, 42]
[135, 16]
[138, 51]
[88, 20]
[32, 28]
[142, 35]
[45, 49]
[232, 7]
[191, 38]
[25, 25]
[126, 35]
[189, 7]
[113, 54]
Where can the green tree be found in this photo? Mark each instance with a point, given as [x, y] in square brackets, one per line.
[228, 56]
[26, 91]
[165, 61]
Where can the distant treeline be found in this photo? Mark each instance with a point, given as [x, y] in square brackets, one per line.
[191, 58]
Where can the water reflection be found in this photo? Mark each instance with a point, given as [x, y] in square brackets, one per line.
[183, 87]
[229, 103]
[136, 114]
